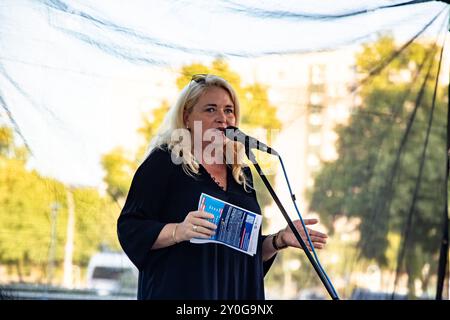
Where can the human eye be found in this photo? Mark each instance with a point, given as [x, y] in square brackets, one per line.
[210, 109]
[229, 111]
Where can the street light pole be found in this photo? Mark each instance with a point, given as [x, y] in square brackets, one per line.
[51, 256]
[68, 252]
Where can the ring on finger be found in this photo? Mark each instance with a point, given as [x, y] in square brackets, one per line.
[194, 228]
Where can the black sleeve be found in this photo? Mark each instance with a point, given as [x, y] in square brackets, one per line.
[138, 225]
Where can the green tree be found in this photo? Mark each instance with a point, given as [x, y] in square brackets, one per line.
[119, 166]
[25, 219]
[380, 151]
[96, 218]
[33, 206]
[6, 141]
[150, 126]
[119, 169]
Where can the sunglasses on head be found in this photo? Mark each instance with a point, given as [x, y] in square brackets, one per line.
[199, 78]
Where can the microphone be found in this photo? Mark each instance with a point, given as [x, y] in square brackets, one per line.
[234, 134]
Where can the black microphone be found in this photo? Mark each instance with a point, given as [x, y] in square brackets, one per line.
[234, 134]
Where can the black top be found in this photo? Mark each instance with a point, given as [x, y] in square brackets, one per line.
[160, 193]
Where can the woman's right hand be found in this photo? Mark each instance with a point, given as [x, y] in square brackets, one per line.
[196, 225]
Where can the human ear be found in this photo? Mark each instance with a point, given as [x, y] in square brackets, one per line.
[186, 118]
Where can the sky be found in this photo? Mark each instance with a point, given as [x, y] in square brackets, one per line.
[78, 76]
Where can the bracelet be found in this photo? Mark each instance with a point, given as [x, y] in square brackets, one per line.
[274, 242]
[173, 233]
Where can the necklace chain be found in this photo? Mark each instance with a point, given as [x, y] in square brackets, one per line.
[218, 183]
[215, 180]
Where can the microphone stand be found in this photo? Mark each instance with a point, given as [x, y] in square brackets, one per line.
[321, 275]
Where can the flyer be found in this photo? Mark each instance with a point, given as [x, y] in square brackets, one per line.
[237, 227]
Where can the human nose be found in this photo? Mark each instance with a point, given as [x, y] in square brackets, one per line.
[221, 117]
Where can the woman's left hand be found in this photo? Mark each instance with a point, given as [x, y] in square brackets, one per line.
[287, 237]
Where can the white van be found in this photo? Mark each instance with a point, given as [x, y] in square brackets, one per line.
[111, 272]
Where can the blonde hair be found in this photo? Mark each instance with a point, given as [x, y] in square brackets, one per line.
[173, 120]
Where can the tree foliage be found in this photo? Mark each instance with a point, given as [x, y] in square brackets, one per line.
[118, 169]
[377, 176]
[33, 206]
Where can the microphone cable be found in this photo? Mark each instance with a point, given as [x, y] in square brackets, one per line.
[304, 227]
